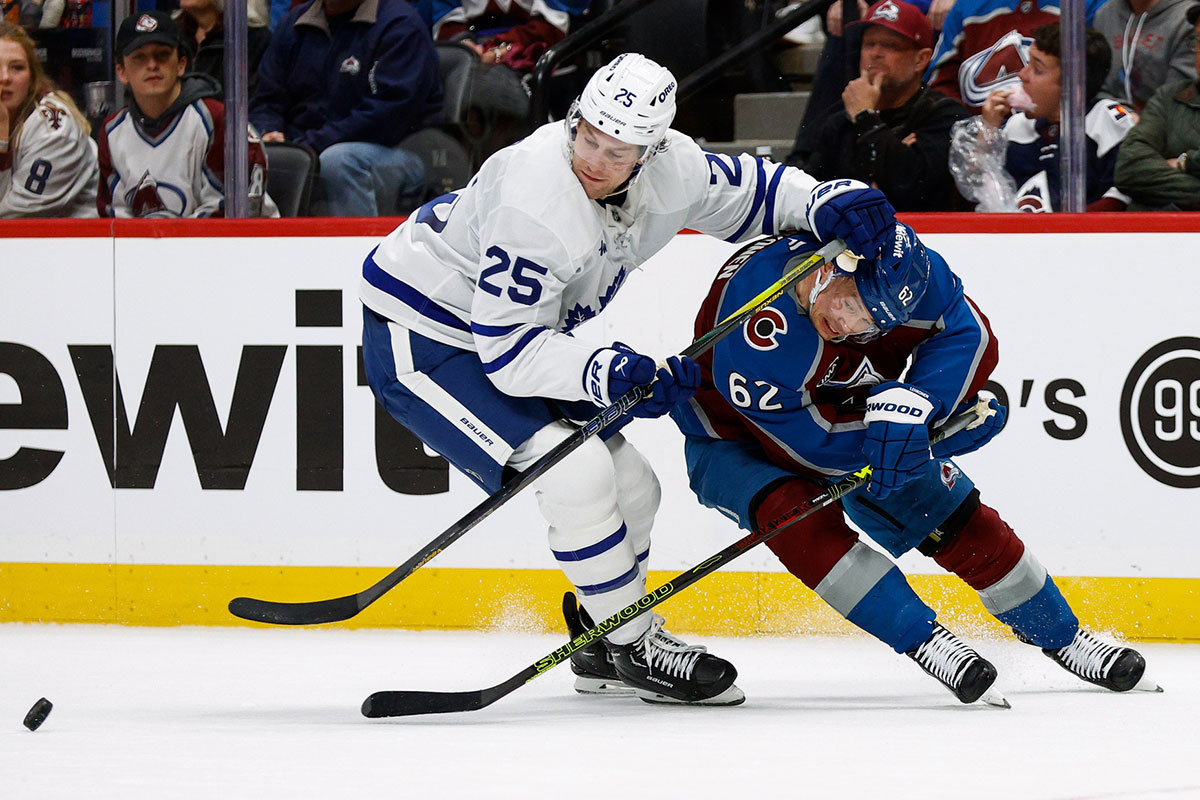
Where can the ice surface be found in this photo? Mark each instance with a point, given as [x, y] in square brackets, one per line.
[273, 713]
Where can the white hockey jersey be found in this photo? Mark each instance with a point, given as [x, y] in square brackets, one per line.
[53, 171]
[510, 264]
[178, 168]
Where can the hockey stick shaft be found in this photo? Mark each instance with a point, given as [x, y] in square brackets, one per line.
[409, 703]
[343, 608]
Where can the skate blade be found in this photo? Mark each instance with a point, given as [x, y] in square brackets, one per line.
[1146, 685]
[733, 696]
[992, 698]
[604, 686]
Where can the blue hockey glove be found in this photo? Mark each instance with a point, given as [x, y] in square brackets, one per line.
[897, 445]
[978, 433]
[615, 370]
[853, 212]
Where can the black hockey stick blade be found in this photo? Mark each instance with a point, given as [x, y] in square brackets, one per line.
[408, 704]
[318, 612]
[402, 703]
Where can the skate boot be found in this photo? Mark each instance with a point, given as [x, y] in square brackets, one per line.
[1118, 669]
[960, 669]
[593, 664]
[662, 669]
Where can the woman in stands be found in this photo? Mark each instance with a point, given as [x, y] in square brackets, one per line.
[48, 164]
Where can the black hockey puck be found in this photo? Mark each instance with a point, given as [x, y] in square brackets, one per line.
[37, 715]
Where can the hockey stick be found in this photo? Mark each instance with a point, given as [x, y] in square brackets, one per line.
[408, 703]
[342, 608]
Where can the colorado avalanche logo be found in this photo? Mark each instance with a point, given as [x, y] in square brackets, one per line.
[993, 67]
[888, 11]
[864, 374]
[764, 329]
[950, 474]
[1034, 194]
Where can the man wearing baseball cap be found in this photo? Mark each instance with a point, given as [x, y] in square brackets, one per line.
[1158, 165]
[891, 130]
[163, 155]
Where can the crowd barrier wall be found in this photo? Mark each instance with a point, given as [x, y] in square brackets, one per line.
[183, 419]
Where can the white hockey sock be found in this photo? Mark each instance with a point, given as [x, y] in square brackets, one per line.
[588, 535]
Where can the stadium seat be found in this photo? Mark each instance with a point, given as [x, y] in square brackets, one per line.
[291, 169]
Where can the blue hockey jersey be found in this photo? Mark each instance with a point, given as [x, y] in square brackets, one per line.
[802, 399]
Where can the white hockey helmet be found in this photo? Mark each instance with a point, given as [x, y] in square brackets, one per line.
[632, 99]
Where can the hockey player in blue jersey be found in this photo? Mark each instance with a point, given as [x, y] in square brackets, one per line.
[470, 304]
[819, 384]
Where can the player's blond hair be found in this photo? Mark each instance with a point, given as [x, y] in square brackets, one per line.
[40, 85]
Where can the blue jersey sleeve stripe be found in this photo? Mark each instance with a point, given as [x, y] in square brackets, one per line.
[493, 330]
[760, 189]
[768, 227]
[374, 275]
[503, 361]
[584, 553]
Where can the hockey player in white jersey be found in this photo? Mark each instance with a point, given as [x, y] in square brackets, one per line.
[470, 303]
[48, 164]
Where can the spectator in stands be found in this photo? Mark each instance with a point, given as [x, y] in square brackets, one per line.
[889, 130]
[985, 44]
[1159, 162]
[203, 23]
[163, 155]
[56, 13]
[514, 33]
[1032, 133]
[350, 79]
[837, 66]
[47, 161]
[1152, 46]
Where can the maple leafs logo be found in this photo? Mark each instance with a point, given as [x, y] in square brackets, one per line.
[578, 315]
[611, 291]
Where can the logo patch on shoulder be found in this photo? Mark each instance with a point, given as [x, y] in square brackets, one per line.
[764, 329]
[950, 474]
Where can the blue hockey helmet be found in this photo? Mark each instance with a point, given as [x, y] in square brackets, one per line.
[892, 285]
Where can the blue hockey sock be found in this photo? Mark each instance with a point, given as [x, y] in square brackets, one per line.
[891, 612]
[1044, 619]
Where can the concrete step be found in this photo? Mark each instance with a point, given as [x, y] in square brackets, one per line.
[768, 115]
[798, 62]
[774, 149]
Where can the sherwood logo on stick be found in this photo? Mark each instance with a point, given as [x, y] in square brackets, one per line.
[1160, 412]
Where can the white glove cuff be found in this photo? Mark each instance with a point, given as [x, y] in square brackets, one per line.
[595, 375]
[898, 404]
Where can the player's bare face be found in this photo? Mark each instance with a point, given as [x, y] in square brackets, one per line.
[600, 162]
[1040, 77]
[892, 57]
[839, 311]
[15, 77]
[152, 72]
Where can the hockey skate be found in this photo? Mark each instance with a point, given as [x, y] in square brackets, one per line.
[959, 668]
[593, 664]
[662, 669]
[1118, 669]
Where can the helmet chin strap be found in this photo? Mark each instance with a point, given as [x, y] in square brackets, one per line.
[818, 287]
